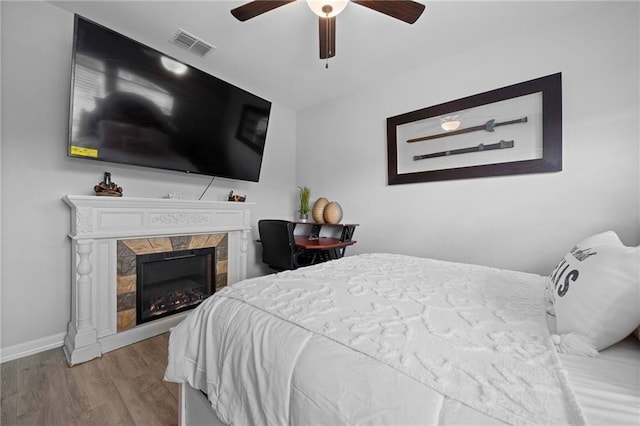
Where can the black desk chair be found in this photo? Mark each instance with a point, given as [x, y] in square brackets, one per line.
[279, 249]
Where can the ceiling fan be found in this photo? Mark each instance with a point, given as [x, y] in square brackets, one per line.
[404, 10]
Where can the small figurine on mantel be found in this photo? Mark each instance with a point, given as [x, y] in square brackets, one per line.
[107, 187]
[237, 197]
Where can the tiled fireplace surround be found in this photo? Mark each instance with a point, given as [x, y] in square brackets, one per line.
[128, 250]
[107, 231]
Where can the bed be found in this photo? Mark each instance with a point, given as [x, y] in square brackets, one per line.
[395, 340]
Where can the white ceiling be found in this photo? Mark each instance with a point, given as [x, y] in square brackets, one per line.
[275, 55]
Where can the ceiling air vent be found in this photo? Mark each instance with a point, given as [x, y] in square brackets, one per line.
[192, 43]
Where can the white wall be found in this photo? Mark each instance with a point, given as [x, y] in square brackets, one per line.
[36, 173]
[523, 222]
[519, 222]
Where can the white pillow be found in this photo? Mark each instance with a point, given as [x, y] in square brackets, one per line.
[595, 290]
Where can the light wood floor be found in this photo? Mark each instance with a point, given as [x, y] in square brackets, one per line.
[123, 387]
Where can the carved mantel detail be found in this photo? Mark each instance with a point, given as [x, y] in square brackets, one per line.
[179, 218]
[84, 220]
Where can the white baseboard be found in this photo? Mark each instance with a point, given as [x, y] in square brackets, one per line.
[31, 347]
[109, 343]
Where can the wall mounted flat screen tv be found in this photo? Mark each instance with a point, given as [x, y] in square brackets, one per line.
[132, 104]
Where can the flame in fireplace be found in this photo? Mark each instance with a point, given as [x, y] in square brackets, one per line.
[175, 300]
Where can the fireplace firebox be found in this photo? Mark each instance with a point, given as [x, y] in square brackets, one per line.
[172, 282]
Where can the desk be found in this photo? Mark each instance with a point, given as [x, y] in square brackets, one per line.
[346, 230]
[333, 247]
[321, 243]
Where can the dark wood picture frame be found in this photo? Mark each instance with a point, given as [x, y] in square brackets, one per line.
[250, 131]
[550, 159]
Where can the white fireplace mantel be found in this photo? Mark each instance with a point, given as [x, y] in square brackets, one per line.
[97, 223]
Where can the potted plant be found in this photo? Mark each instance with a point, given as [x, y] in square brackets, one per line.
[305, 196]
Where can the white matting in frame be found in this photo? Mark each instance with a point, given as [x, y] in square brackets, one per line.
[523, 136]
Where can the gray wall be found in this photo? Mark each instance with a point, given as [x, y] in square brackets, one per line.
[36, 173]
[518, 222]
[525, 222]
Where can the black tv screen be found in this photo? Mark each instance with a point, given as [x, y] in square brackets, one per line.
[132, 104]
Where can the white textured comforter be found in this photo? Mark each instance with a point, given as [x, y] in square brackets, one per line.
[376, 339]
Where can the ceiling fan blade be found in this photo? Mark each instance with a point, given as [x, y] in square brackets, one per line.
[327, 32]
[404, 10]
[257, 7]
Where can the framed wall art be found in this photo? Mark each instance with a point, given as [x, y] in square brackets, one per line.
[512, 130]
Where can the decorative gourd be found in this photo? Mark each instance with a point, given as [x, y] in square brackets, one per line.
[318, 209]
[332, 213]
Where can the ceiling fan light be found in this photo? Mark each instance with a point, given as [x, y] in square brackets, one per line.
[450, 123]
[335, 7]
[173, 66]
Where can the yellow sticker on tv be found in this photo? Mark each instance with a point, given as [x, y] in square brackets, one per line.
[84, 152]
